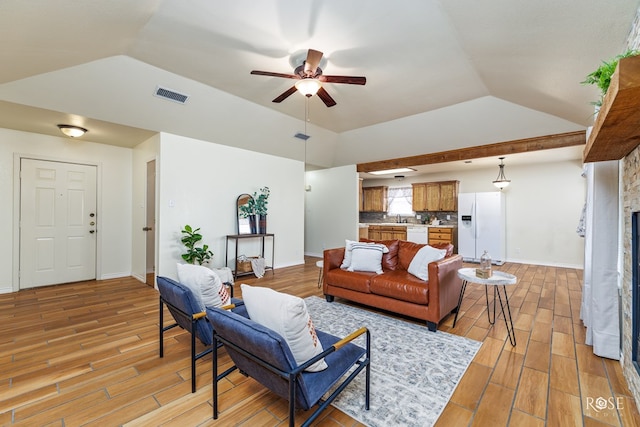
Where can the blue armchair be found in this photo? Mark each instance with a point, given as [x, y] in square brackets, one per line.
[186, 311]
[264, 355]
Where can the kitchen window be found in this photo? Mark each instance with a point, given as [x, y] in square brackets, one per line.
[399, 201]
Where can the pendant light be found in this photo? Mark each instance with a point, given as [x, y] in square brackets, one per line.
[501, 181]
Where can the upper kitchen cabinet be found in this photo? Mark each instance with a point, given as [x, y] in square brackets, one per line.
[449, 196]
[374, 199]
[435, 196]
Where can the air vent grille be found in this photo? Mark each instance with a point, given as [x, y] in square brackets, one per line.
[171, 95]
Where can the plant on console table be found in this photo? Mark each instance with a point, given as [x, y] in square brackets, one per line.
[261, 201]
[190, 239]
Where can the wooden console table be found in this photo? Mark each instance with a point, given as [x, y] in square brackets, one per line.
[236, 238]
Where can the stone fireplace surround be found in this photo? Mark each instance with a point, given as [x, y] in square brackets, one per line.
[630, 166]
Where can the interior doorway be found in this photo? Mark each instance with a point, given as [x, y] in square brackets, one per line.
[150, 228]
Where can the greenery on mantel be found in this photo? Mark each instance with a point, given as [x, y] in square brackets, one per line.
[602, 76]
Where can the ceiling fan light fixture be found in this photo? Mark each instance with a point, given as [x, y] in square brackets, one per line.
[72, 131]
[308, 87]
[501, 181]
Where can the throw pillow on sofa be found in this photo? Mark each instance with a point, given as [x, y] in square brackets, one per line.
[367, 257]
[348, 248]
[205, 284]
[288, 316]
[419, 266]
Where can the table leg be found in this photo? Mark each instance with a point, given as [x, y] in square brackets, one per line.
[464, 286]
[486, 294]
[507, 322]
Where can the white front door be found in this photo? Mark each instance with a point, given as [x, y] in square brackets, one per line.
[58, 222]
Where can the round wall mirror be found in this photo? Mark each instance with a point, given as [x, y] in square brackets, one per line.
[244, 226]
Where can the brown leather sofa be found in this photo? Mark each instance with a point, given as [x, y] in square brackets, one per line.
[396, 289]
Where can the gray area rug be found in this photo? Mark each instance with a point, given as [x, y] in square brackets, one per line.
[413, 371]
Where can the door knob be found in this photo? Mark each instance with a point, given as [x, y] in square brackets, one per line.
[146, 228]
[92, 223]
[92, 231]
[92, 214]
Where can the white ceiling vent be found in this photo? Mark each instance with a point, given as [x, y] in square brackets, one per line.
[171, 95]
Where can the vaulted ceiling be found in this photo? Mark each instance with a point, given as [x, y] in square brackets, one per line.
[64, 59]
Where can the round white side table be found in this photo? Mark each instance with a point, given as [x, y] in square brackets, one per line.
[320, 264]
[498, 280]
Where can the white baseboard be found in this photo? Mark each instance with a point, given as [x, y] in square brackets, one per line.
[139, 277]
[6, 290]
[546, 263]
[314, 254]
[115, 275]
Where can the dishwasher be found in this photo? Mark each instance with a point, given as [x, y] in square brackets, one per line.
[417, 234]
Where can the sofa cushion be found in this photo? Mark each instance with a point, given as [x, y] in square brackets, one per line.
[367, 257]
[287, 315]
[400, 285]
[355, 281]
[205, 283]
[390, 259]
[348, 250]
[406, 252]
[419, 266]
[446, 246]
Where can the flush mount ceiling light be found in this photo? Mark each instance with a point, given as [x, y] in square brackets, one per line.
[72, 131]
[308, 87]
[501, 181]
[386, 171]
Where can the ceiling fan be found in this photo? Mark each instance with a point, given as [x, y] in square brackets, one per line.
[310, 79]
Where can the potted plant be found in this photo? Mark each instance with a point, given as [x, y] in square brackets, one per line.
[190, 238]
[602, 76]
[261, 201]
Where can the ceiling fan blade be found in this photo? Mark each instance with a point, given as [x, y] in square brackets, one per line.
[270, 74]
[284, 95]
[313, 60]
[350, 80]
[326, 98]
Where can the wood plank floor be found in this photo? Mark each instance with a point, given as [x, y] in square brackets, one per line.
[87, 354]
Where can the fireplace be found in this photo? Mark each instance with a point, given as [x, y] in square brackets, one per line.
[635, 291]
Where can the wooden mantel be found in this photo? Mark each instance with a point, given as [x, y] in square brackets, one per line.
[616, 131]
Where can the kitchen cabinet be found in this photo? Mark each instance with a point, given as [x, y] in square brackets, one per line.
[374, 199]
[363, 232]
[419, 197]
[387, 232]
[435, 196]
[449, 196]
[443, 235]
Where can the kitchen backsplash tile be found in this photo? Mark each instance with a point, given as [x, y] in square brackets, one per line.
[374, 217]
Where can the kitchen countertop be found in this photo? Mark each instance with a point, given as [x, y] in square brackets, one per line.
[405, 224]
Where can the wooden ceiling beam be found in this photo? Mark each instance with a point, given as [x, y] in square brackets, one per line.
[546, 142]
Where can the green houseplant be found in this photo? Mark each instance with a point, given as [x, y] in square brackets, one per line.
[190, 238]
[601, 77]
[261, 201]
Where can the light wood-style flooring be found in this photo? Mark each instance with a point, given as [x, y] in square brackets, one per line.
[87, 354]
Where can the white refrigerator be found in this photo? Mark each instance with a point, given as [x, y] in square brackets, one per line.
[482, 226]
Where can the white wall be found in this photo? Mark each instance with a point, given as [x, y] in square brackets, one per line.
[544, 203]
[331, 210]
[142, 153]
[198, 185]
[114, 198]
